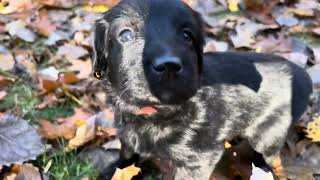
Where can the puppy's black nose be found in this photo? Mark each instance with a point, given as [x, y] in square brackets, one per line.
[167, 64]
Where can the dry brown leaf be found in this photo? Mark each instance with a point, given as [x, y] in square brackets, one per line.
[271, 44]
[84, 134]
[4, 82]
[10, 176]
[43, 24]
[15, 6]
[28, 171]
[68, 78]
[109, 131]
[82, 67]
[24, 58]
[47, 84]
[127, 173]
[79, 114]
[6, 62]
[54, 131]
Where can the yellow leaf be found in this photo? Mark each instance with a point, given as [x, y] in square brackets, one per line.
[96, 8]
[227, 145]
[2, 5]
[126, 174]
[84, 134]
[259, 50]
[313, 130]
[80, 122]
[233, 5]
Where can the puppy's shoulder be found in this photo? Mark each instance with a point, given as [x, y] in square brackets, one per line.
[231, 68]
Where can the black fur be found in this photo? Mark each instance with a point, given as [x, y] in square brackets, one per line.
[213, 98]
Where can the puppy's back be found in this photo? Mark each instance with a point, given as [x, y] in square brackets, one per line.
[272, 76]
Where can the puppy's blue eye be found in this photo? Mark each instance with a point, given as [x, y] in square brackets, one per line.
[187, 35]
[126, 35]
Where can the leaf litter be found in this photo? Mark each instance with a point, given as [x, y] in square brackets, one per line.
[45, 71]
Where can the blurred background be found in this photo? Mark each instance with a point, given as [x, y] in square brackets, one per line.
[55, 122]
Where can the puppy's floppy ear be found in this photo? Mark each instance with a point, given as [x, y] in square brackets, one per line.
[100, 48]
[200, 42]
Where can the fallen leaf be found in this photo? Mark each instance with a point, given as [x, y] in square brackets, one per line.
[313, 130]
[28, 171]
[25, 62]
[271, 44]
[56, 37]
[6, 62]
[84, 134]
[3, 94]
[43, 24]
[302, 12]
[68, 78]
[47, 84]
[19, 141]
[18, 28]
[72, 51]
[245, 33]
[112, 144]
[297, 57]
[216, 46]
[79, 114]
[316, 52]
[60, 3]
[127, 173]
[316, 30]
[227, 145]
[48, 100]
[314, 73]
[109, 3]
[259, 174]
[96, 8]
[82, 68]
[15, 6]
[54, 131]
[4, 82]
[287, 21]
[233, 5]
[50, 72]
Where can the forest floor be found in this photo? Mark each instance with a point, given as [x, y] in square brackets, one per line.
[54, 119]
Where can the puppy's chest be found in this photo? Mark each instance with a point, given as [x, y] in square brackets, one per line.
[152, 137]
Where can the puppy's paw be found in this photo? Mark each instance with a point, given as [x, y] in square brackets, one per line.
[278, 169]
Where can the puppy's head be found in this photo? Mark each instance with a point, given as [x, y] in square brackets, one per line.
[150, 51]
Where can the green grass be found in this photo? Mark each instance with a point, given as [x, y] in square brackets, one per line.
[308, 38]
[22, 96]
[62, 165]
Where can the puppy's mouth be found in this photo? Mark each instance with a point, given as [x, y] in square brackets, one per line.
[150, 106]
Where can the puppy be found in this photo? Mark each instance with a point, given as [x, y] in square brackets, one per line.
[177, 105]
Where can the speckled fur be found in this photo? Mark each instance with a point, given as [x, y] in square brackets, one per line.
[255, 96]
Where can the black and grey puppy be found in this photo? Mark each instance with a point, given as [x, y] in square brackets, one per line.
[176, 105]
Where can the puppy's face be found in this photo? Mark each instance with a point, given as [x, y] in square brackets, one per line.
[150, 51]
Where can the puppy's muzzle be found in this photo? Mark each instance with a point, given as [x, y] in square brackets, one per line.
[167, 66]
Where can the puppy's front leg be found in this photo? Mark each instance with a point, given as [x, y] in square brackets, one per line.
[202, 166]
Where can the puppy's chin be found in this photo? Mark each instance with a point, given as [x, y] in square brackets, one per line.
[174, 98]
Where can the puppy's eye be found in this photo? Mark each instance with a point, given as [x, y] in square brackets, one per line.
[187, 35]
[126, 35]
